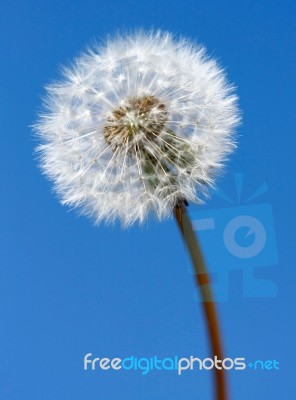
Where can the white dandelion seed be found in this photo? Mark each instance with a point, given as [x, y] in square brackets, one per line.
[136, 126]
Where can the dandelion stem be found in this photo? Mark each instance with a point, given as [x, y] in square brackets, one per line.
[203, 282]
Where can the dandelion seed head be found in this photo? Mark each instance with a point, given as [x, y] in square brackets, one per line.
[137, 126]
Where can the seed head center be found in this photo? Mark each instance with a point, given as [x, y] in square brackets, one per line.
[140, 118]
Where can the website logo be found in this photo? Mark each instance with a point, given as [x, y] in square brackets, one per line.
[243, 237]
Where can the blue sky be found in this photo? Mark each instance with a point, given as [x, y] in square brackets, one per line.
[68, 288]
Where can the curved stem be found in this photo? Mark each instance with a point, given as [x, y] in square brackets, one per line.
[203, 283]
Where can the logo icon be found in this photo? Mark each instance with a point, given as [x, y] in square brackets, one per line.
[239, 237]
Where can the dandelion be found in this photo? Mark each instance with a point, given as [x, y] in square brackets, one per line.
[138, 126]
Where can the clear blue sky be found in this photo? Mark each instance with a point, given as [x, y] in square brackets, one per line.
[68, 288]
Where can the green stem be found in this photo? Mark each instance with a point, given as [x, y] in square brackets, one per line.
[203, 283]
